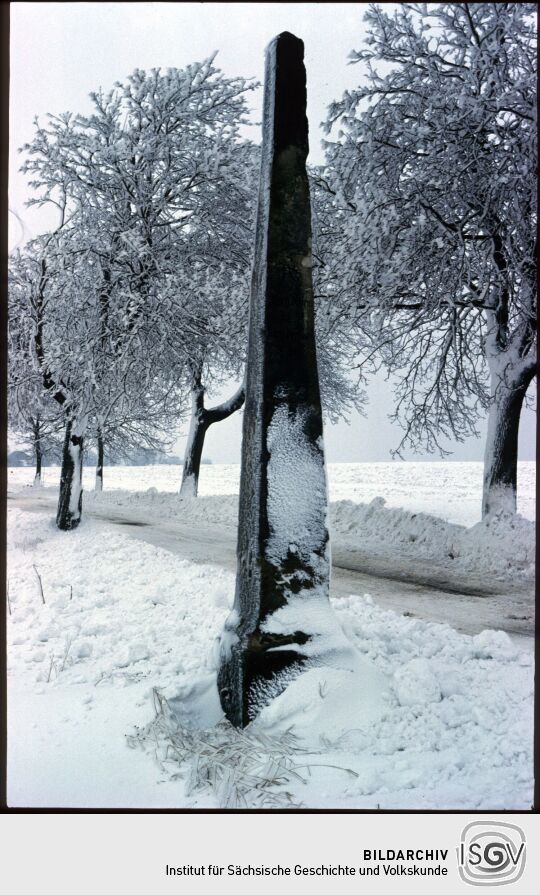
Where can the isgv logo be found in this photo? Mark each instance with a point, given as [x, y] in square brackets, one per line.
[491, 853]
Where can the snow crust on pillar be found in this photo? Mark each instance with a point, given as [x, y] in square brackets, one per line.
[297, 514]
[297, 493]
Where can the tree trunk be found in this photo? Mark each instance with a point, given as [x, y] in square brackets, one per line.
[500, 461]
[193, 454]
[70, 498]
[38, 453]
[100, 459]
[201, 420]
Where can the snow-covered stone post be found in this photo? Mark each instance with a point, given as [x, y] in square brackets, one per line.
[282, 581]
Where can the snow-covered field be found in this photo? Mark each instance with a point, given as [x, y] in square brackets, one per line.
[450, 490]
[425, 717]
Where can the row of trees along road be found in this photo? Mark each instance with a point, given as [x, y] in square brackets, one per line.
[155, 223]
[423, 249]
[139, 296]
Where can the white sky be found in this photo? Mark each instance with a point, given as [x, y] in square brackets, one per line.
[62, 51]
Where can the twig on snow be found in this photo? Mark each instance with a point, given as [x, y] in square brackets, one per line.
[51, 666]
[40, 583]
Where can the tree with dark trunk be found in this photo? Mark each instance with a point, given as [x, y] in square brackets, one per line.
[37, 450]
[434, 172]
[152, 187]
[500, 465]
[69, 510]
[201, 419]
[100, 461]
[38, 279]
[30, 412]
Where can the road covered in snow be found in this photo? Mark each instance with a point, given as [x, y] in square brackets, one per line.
[120, 618]
[411, 563]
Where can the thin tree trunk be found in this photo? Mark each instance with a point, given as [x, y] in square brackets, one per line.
[100, 460]
[195, 442]
[501, 455]
[70, 498]
[193, 455]
[201, 420]
[69, 510]
[38, 452]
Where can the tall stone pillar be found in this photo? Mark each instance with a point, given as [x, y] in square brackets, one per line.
[283, 552]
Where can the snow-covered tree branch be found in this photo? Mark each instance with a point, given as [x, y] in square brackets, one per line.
[433, 168]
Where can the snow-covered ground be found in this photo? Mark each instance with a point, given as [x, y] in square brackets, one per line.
[426, 717]
[451, 728]
[450, 490]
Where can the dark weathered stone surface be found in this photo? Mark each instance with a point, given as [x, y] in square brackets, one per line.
[283, 539]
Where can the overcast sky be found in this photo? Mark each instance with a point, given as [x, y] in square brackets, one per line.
[62, 51]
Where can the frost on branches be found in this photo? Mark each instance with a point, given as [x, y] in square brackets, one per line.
[144, 279]
[433, 170]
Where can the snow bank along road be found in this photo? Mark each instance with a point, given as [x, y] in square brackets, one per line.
[414, 564]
